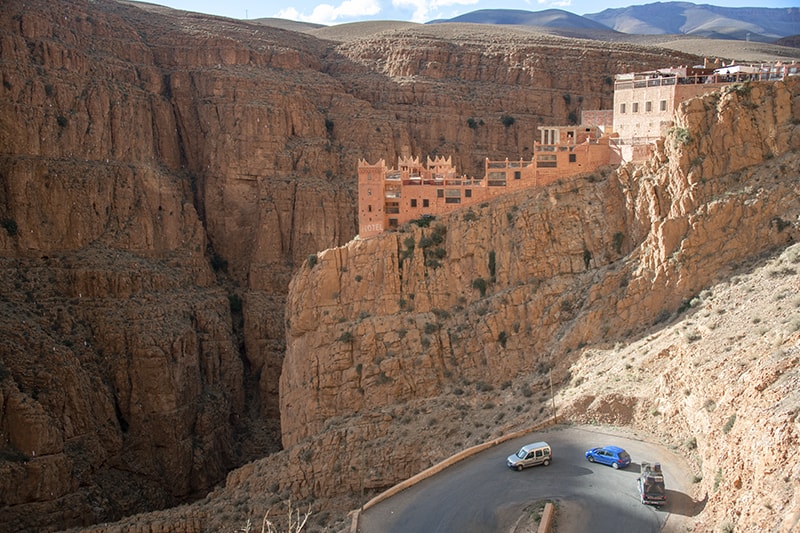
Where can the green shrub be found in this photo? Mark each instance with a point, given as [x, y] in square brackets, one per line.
[780, 224]
[618, 239]
[10, 225]
[482, 386]
[729, 424]
[480, 284]
[218, 263]
[409, 243]
[507, 120]
[441, 314]
[312, 260]
[423, 222]
[235, 303]
[572, 117]
[680, 135]
[742, 89]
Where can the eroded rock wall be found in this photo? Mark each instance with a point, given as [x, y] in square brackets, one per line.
[519, 285]
[162, 176]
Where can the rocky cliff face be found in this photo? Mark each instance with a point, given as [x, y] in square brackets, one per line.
[524, 284]
[162, 176]
[538, 273]
[661, 298]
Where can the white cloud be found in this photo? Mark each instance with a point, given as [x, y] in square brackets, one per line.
[328, 14]
[555, 3]
[289, 13]
[423, 8]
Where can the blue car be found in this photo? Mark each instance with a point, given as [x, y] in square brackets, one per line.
[609, 455]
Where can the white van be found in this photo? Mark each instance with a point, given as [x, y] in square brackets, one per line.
[537, 453]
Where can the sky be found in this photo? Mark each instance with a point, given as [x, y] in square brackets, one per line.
[330, 12]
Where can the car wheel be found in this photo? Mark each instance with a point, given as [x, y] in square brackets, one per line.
[591, 459]
[546, 462]
[615, 465]
[519, 468]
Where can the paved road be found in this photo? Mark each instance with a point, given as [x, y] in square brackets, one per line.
[481, 495]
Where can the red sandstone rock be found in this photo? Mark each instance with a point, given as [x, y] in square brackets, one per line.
[143, 150]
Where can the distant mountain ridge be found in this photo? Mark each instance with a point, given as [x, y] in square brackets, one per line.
[557, 18]
[659, 18]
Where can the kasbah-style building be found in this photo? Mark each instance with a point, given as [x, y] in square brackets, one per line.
[644, 107]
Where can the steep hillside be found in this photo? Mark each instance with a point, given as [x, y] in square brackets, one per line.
[162, 176]
[528, 283]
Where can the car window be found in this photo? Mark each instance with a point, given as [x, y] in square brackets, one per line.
[624, 456]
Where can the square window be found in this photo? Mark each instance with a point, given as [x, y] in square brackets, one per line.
[648, 106]
[413, 202]
[663, 105]
[622, 108]
[635, 108]
[468, 193]
[425, 203]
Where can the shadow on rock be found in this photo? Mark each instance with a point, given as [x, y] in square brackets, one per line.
[683, 504]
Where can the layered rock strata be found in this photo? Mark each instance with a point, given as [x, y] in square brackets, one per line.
[162, 176]
[521, 285]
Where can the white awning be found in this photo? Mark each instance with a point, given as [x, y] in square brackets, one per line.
[737, 69]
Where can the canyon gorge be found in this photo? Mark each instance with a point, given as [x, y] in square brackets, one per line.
[191, 335]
